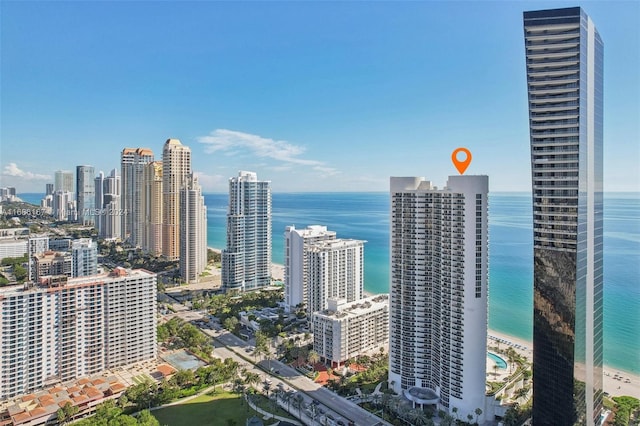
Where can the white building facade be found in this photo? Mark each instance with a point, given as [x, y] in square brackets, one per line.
[246, 261]
[296, 243]
[10, 247]
[193, 231]
[64, 328]
[85, 257]
[335, 269]
[346, 330]
[439, 286]
[37, 244]
[86, 195]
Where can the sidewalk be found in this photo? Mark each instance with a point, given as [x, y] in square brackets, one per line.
[268, 415]
[185, 399]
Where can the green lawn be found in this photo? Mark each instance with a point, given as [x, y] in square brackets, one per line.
[205, 410]
[267, 405]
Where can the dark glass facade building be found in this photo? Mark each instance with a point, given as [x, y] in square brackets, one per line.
[564, 55]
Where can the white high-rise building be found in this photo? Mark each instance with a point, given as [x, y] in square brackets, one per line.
[37, 244]
[439, 286]
[193, 231]
[246, 261]
[86, 194]
[176, 166]
[133, 161]
[335, 269]
[98, 189]
[64, 206]
[65, 328]
[296, 242]
[85, 257]
[112, 211]
[63, 181]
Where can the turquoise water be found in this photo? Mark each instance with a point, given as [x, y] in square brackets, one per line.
[501, 363]
[366, 216]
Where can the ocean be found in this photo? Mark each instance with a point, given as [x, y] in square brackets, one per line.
[365, 216]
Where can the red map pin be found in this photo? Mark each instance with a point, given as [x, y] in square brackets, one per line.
[461, 165]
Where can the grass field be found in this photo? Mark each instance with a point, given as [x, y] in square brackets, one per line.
[222, 408]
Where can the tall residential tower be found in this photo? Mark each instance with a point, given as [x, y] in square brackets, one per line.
[152, 208]
[176, 166]
[564, 56]
[246, 261]
[133, 161]
[439, 286]
[85, 194]
[193, 230]
[296, 243]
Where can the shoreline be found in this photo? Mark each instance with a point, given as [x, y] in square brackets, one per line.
[611, 385]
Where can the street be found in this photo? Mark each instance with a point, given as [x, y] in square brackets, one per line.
[228, 345]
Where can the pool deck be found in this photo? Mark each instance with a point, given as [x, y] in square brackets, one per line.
[615, 382]
[502, 373]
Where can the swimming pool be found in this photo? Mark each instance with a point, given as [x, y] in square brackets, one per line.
[500, 362]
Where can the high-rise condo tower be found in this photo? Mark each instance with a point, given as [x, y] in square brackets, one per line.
[85, 195]
[176, 166]
[133, 162]
[246, 261]
[439, 285]
[193, 230]
[564, 56]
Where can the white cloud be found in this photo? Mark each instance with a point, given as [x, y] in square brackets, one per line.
[326, 171]
[232, 142]
[211, 182]
[12, 170]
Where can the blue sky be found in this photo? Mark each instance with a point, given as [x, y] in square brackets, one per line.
[314, 96]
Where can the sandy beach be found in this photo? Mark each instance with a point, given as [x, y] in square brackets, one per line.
[614, 380]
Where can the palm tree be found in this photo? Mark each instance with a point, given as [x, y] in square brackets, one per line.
[420, 418]
[454, 410]
[287, 397]
[478, 413]
[412, 415]
[267, 387]
[375, 399]
[402, 410]
[470, 417]
[385, 401]
[238, 386]
[446, 419]
[313, 358]
[298, 402]
[251, 378]
[314, 411]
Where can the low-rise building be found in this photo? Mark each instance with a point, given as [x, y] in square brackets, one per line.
[52, 263]
[348, 329]
[11, 247]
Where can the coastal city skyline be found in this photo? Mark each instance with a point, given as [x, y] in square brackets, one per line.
[303, 233]
[291, 89]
